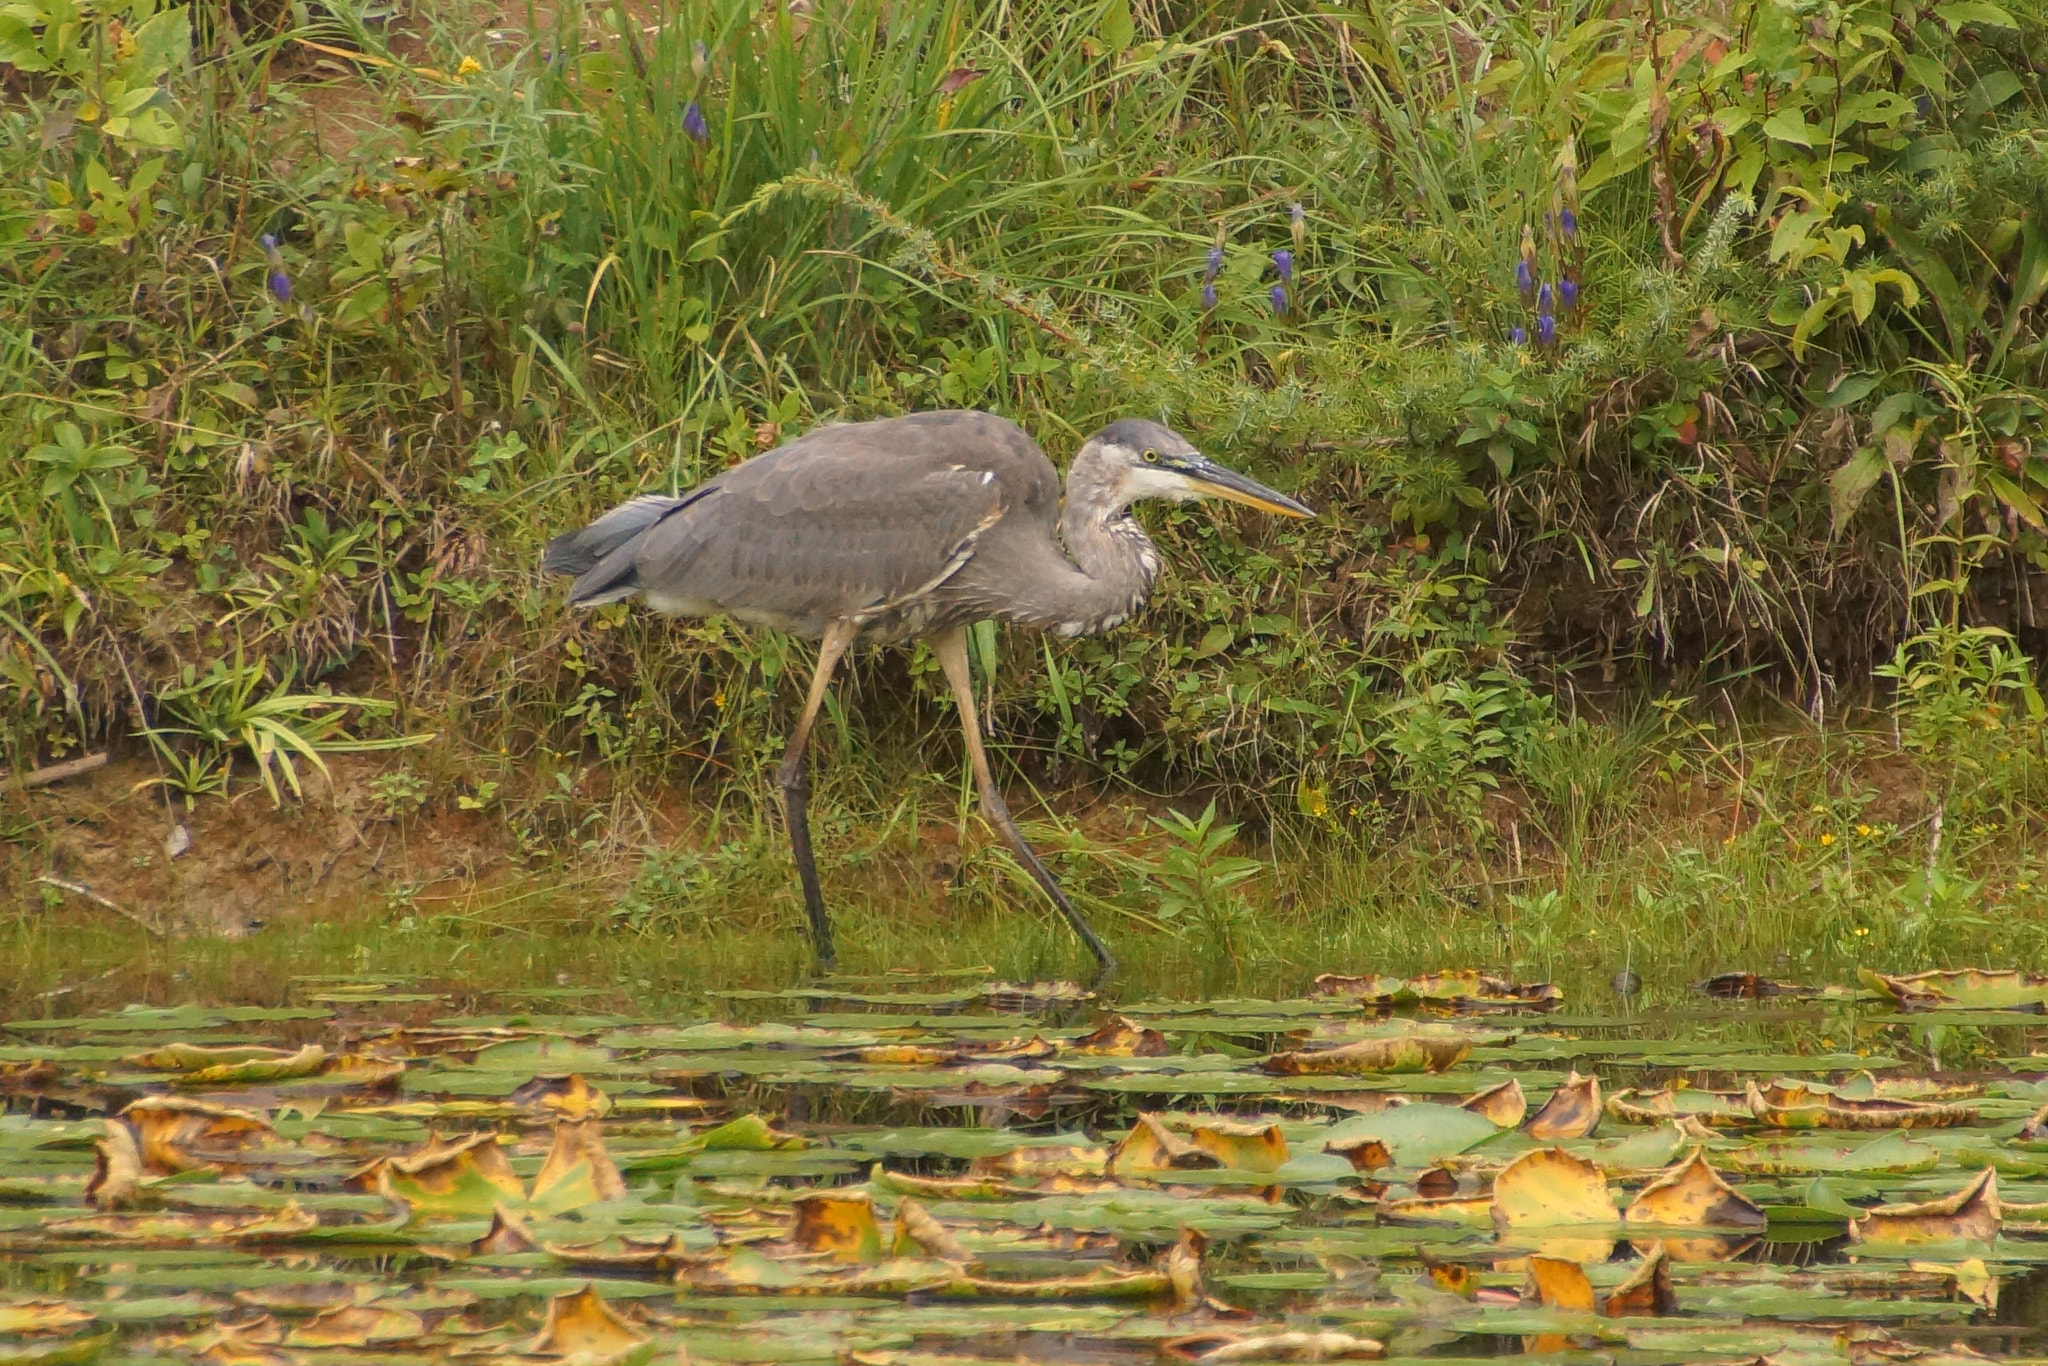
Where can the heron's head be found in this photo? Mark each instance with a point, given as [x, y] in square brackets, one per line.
[1140, 459]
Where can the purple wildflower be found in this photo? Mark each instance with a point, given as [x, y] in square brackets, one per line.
[1546, 329]
[1518, 335]
[1215, 264]
[1544, 302]
[694, 125]
[1283, 265]
[1524, 280]
[1569, 221]
[1568, 293]
[279, 283]
[1208, 296]
[1279, 297]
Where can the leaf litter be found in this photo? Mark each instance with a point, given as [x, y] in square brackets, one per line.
[1385, 1169]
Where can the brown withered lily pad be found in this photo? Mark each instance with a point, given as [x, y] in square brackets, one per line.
[569, 1097]
[1364, 1154]
[1963, 989]
[1647, 1289]
[1972, 1215]
[1796, 1107]
[1446, 990]
[1398, 1053]
[1572, 1111]
[175, 1135]
[1150, 1145]
[1504, 1104]
[1693, 1195]
[1551, 1187]
[1118, 1037]
[1710, 1108]
[582, 1328]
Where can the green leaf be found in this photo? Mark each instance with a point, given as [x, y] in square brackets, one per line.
[2013, 496]
[1925, 73]
[1848, 485]
[1419, 1134]
[1961, 12]
[1115, 28]
[2027, 285]
[1848, 389]
[365, 248]
[99, 182]
[1789, 125]
[1958, 315]
[1995, 89]
[1811, 321]
[1792, 232]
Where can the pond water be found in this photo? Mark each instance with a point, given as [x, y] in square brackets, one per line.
[919, 1171]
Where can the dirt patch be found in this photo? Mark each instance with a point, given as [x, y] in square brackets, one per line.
[238, 864]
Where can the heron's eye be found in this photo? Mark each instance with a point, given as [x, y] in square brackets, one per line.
[1151, 457]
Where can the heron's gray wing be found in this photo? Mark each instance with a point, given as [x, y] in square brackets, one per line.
[821, 530]
[578, 552]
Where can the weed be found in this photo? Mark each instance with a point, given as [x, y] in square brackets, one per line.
[238, 707]
[1199, 886]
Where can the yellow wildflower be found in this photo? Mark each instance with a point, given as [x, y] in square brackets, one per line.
[1827, 839]
[469, 67]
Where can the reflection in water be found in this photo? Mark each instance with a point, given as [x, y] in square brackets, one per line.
[1718, 1247]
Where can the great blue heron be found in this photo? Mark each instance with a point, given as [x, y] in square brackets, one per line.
[899, 529]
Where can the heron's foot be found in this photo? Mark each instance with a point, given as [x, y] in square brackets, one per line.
[1105, 971]
[1105, 961]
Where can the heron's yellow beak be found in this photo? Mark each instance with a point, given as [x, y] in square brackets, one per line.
[1212, 480]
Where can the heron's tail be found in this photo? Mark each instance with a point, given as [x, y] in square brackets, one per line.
[600, 557]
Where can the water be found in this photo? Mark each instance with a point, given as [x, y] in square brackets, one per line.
[866, 1172]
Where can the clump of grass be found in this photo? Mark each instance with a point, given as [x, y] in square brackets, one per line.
[1599, 384]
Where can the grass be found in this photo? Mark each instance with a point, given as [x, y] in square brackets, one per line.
[307, 352]
[1806, 862]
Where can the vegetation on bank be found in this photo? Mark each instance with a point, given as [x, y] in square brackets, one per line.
[1669, 377]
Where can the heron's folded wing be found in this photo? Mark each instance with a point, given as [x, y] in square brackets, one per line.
[821, 534]
[577, 552]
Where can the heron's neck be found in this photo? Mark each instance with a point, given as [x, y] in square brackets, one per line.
[1117, 560]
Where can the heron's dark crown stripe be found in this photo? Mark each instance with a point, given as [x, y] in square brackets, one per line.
[1135, 433]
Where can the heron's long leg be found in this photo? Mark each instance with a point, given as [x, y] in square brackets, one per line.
[796, 789]
[951, 648]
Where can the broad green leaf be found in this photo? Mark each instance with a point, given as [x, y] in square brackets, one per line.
[1789, 125]
[1419, 1134]
[1960, 12]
